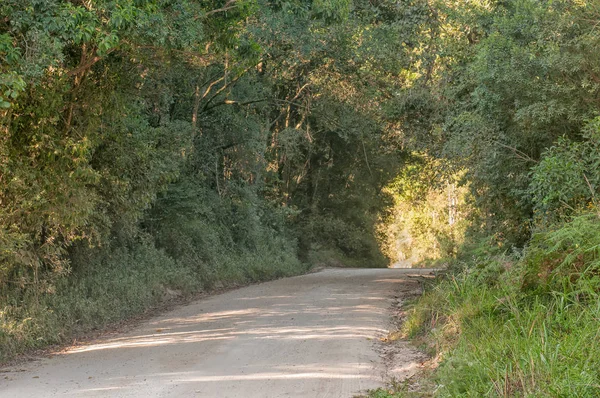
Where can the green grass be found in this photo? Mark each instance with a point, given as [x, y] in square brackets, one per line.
[509, 326]
[387, 393]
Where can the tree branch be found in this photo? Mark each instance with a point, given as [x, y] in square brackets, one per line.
[86, 64]
[232, 102]
[226, 86]
[519, 154]
[228, 6]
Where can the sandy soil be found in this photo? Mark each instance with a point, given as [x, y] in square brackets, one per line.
[318, 335]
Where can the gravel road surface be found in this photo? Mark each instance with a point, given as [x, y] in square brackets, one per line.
[316, 335]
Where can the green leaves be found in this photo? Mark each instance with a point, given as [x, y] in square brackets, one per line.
[11, 84]
[8, 51]
[123, 15]
[568, 177]
[496, 85]
[107, 43]
[332, 11]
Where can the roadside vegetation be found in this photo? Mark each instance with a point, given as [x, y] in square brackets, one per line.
[514, 119]
[153, 149]
[513, 325]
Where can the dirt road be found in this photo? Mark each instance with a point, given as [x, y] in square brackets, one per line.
[309, 336]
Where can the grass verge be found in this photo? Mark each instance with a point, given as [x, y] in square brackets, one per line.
[515, 325]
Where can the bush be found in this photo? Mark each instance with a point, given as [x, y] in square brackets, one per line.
[114, 285]
[567, 178]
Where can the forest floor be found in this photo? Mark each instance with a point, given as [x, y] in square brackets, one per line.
[324, 334]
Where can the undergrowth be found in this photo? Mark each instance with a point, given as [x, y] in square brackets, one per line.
[518, 324]
[115, 284]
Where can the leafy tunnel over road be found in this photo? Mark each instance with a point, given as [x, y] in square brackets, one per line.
[307, 336]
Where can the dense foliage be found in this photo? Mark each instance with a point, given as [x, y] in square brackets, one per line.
[154, 148]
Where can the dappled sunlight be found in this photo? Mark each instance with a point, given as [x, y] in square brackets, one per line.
[316, 333]
[344, 374]
[260, 323]
[271, 376]
[166, 337]
[246, 341]
[391, 280]
[311, 371]
[348, 367]
[99, 389]
[264, 297]
[212, 316]
[144, 341]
